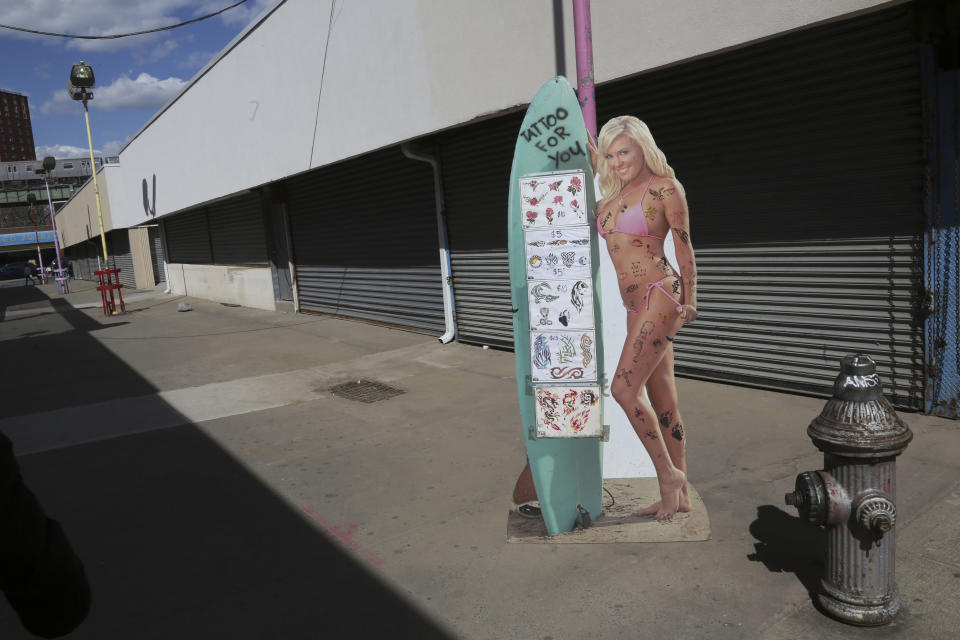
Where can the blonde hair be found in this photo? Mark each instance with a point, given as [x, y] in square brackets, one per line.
[636, 130]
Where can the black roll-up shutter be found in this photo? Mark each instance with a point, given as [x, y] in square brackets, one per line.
[237, 230]
[801, 160]
[365, 243]
[84, 259]
[156, 256]
[476, 172]
[122, 258]
[89, 254]
[188, 239]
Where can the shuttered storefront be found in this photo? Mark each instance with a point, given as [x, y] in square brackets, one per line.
[83, 258]
[229, 232]
[365, 243]
[237, 232]
[476, 174]
[801, 159]
[188, 239]
[122, 258]
[156, 256]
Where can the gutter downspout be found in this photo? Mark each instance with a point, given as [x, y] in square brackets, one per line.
[163, 246]
[447, 278]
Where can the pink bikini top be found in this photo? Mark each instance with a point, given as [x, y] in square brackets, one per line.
[633, 221]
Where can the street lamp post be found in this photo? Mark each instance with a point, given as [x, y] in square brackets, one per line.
[49, 164]
[32, 199]
[79, 85]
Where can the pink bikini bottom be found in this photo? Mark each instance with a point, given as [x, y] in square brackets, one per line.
[650, 287]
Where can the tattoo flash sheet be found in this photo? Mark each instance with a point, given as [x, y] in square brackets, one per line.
[568, 412]
[561, 304]
[555, 199]
[558, 254]
[568, 356]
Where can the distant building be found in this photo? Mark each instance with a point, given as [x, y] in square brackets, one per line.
[16, 132]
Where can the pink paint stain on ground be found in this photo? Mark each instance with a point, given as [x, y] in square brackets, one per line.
[344, 534]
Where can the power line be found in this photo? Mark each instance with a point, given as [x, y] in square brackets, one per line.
[122, 35]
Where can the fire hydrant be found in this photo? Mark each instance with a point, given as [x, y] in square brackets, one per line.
[854, 496]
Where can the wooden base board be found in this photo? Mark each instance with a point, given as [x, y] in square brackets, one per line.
[617, 523]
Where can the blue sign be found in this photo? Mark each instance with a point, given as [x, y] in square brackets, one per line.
[30, 237]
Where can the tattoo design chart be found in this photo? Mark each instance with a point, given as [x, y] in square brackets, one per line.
[561, 304]
[569, 356]
[558, 253]
[568, 412]
[553, 200]
[560, 292]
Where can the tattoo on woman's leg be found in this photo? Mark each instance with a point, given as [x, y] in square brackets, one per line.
[665, 419]
[677, 432]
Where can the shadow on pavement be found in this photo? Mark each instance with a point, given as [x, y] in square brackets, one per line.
[179, 539]
[787, 544]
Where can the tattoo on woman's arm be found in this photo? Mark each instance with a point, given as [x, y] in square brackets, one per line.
[662, 192]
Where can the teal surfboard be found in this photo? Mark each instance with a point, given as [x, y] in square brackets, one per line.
[555, 288]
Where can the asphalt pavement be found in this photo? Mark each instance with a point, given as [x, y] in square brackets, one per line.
[216, 487]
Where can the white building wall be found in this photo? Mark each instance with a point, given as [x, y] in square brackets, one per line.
[398, 69]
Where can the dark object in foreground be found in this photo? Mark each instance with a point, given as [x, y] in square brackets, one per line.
[41, 576]
[853, 496]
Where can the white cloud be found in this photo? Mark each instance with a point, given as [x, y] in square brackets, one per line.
[59, 103]
[197, 59]
[96, 17]
[65, 151]
[159, 52]
[142, 92]
[112, 147]
[106, 17]
[238, 16]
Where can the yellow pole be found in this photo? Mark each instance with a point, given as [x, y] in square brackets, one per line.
[96, 187]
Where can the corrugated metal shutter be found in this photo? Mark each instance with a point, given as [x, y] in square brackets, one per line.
[368, 248]
[482, 297]
[121, 257]
[188, 239]
[782, 314]
[156, 256]
[476, 173]
[801, 159]
[84, 258]
[237, 231]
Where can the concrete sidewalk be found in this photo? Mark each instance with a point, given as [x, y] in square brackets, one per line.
[215, 487]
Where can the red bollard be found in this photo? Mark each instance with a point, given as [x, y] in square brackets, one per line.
[110, 282]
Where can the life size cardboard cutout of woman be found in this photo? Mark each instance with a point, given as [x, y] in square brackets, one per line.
[642, 202]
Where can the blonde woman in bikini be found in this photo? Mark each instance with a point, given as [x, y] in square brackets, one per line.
[642, 202]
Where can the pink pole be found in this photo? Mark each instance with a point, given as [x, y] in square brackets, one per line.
[36, 233]
[53, 223]
[584, 42]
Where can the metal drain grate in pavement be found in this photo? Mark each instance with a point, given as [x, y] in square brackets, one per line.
[365, 391]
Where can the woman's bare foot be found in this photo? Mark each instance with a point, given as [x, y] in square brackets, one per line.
[676, 493]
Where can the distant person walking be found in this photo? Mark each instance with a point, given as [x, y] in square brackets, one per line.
[28, 275]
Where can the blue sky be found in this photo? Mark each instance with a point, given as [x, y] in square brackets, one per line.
[135, 76]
